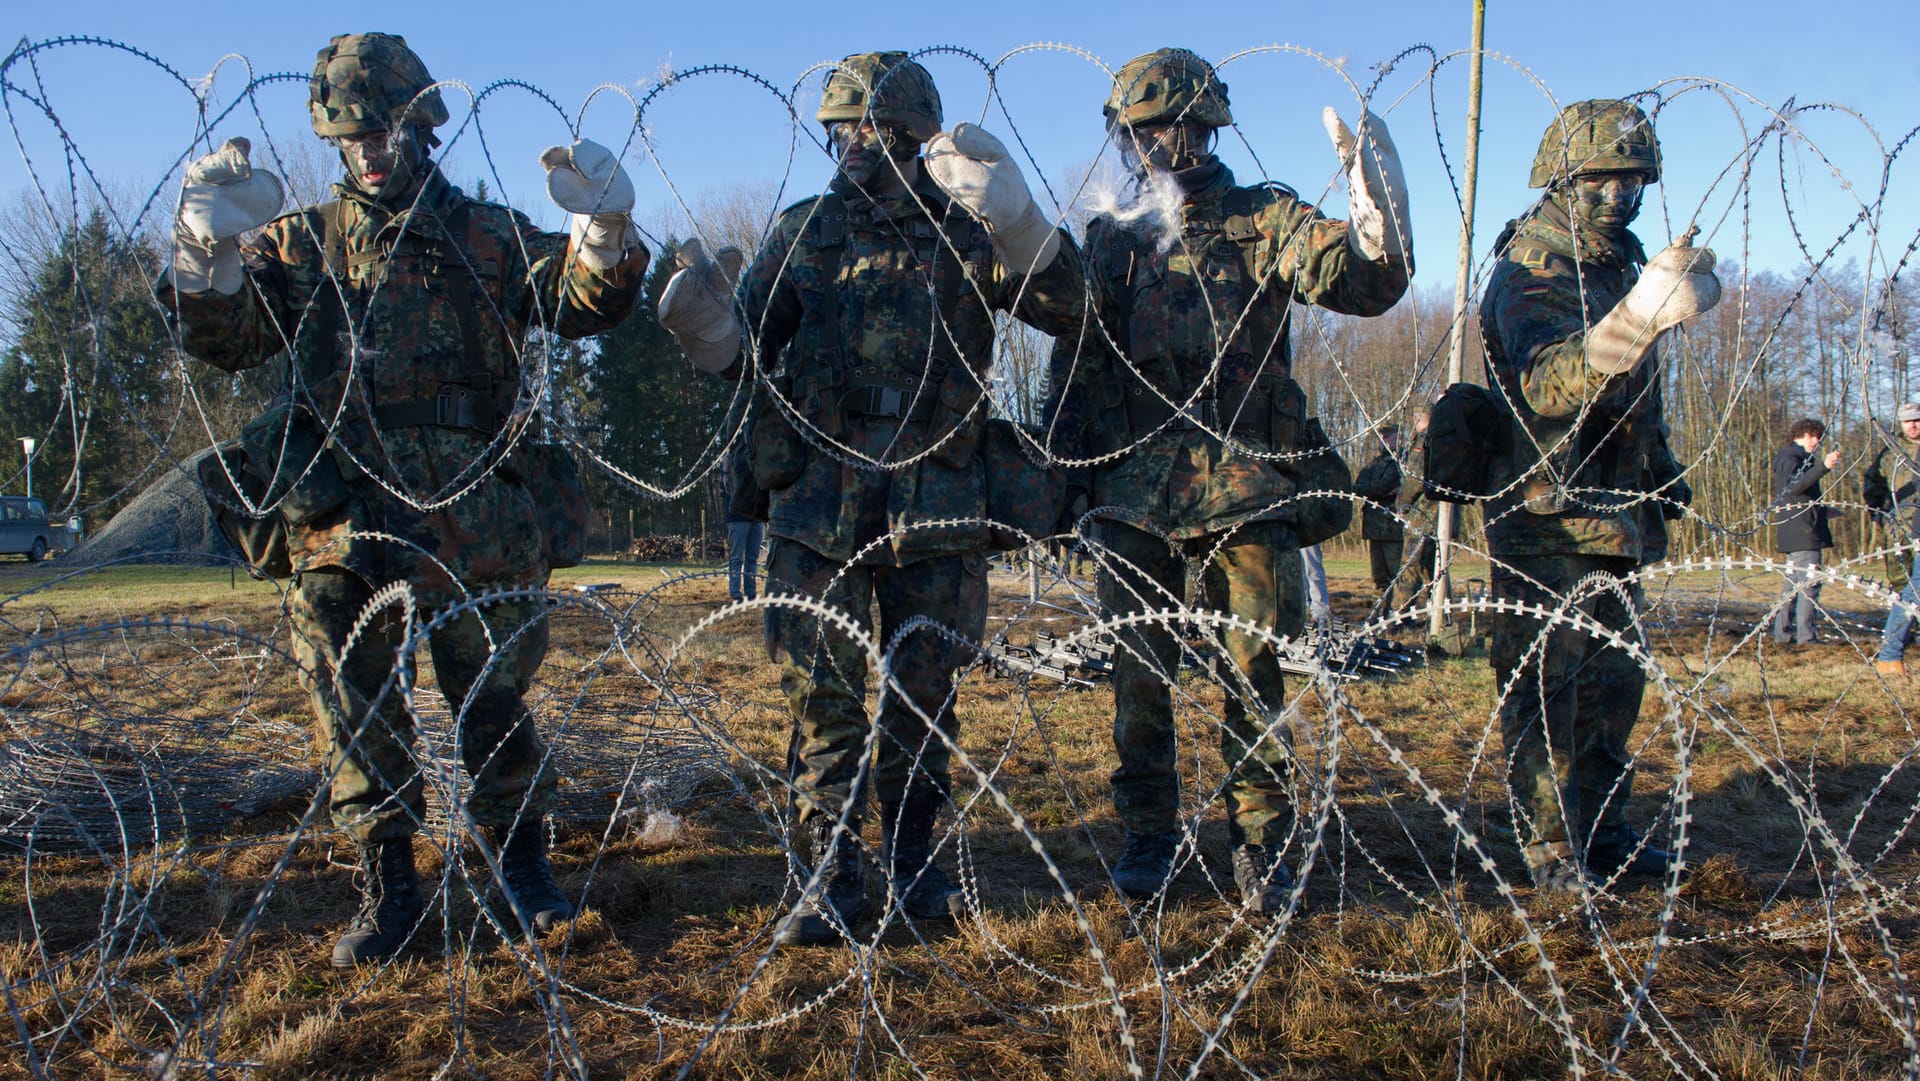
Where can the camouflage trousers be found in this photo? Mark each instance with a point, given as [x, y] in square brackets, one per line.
[1254, 572]
[1385, 562]
[1414, 575]
[824, 673]
[1570, 700]
[363, 720]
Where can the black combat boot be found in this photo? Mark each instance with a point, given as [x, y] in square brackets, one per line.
[530, 889]
[921, 889]
[1623, 850]
[1262, 877]
[841, 891]
[390, 904]
[1143, 868]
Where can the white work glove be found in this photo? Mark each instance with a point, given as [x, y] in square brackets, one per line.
[224, 196]
[973, 168]
[1676, 285]
[1378, 220]
[587, 180]
[697, 306]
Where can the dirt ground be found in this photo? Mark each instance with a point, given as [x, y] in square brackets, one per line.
[1788, 779]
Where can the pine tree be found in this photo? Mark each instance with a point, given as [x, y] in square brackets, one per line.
[91, 368]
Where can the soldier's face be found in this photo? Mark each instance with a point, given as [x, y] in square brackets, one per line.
[379, 162]
[1910, 429]
[866, 149]
[1608, 200]
[1167, 147]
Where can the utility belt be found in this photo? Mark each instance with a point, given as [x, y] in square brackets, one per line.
[456, 406]
[915, 406]
[1148, 411]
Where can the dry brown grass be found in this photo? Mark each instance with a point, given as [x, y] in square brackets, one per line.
[1407, 962]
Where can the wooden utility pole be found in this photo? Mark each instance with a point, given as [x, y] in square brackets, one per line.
[1462, 293]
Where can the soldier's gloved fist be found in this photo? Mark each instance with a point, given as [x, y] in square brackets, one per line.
[587, 180]
[1380, 222]
[697, 306]
[1675, 286]
[224, 196]
[973, 168]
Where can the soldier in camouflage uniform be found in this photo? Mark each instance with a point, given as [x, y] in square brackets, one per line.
[403, 303]
[870, 310]
[1379, 485]
[1178, 387]
[1415, 512]
[1891, 489]
[1572, 318]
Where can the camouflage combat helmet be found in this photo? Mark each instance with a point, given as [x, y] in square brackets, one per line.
[887, 88]
[1167, 85]
[371, 82]
[1595, 136]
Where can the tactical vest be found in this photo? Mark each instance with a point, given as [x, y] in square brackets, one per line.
[1210, 331]
[828, 379]
[468, 402]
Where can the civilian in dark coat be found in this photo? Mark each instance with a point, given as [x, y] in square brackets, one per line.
[1800, 528]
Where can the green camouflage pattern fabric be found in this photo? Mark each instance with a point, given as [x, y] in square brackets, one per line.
[1208, 313]
[368, 731]
[1411, 506]
[882, 88]
[824, 674]
[364, 83]
[1582, 442]
[1167, 86]
[1255, 573]
[1418, 553]
[1603, 135]
[1378, 484]
[1567, 709]
[1383, 561]
[888, 333]
[1664, 474]
[1891, 490]
[1891, 486]
[402, 325]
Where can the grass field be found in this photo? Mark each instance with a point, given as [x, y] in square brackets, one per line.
[1789, 951]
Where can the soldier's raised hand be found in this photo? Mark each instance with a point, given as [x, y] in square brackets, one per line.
[223, 197]
[1379, 220]
[973, 168]
[697, 306]
[588, 181]
[1676, 285]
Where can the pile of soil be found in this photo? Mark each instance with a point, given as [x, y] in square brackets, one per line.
[167, 523]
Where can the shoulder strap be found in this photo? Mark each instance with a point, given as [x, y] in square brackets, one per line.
[830, 238]
[333, 237]
[466, 303]
[325, 308]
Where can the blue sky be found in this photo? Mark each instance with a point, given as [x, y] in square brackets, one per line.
[132, 124]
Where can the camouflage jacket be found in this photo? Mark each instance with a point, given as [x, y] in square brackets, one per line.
[1411, 501]
[1891, 487]
[1379, 485]
[1584, 446]
[1200, 321]
[886, 363]
[413, 312]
